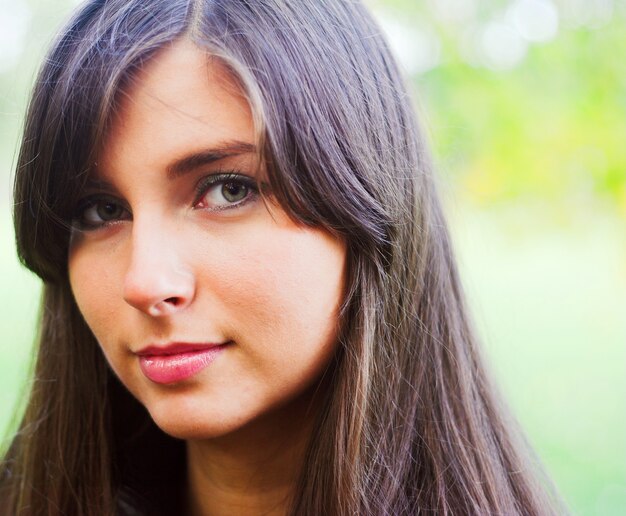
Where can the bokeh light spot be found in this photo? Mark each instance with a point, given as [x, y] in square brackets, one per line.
[536, 20]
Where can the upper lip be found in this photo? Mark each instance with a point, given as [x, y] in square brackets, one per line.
[175, 348]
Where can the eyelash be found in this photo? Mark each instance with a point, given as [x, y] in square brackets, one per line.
[223, 178]
[203, 188]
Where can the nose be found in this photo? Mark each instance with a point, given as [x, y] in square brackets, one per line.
[157, 281]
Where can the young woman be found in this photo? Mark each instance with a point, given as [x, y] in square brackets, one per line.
[250, 304]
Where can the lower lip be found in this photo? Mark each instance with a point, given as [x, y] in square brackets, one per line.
[174, 368]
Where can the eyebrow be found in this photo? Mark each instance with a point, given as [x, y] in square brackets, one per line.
[205, 157]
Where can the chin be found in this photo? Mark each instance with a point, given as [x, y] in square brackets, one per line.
[190, 430]
[184, 419]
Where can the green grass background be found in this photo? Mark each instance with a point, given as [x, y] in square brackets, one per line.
[532, 162]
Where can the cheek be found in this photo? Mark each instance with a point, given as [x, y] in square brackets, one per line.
[285, 291]
[96, 295]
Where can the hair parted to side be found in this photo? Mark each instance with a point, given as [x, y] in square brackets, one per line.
[411, 423]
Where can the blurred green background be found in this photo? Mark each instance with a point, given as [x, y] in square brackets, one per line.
[525, 105]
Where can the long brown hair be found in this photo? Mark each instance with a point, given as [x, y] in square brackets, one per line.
[411, 423]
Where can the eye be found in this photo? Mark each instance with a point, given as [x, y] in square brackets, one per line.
[96, 212]
[225, 191]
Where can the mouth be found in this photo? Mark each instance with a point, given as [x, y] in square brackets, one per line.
[178, 361]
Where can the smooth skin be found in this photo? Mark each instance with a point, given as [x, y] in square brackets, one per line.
[165, 250]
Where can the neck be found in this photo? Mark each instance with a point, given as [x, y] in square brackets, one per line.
[253, 470]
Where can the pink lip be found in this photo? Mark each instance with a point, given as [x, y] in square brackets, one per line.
[178, 361]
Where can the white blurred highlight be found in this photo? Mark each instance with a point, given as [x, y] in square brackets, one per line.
[14, 20]
[536, 20]
[454, 12]
[416, 46]
[501, 45]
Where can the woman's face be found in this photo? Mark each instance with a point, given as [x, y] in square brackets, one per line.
[212, 307]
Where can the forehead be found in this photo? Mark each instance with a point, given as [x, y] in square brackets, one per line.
[181, 101]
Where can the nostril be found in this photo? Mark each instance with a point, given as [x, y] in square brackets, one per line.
[158, 288]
